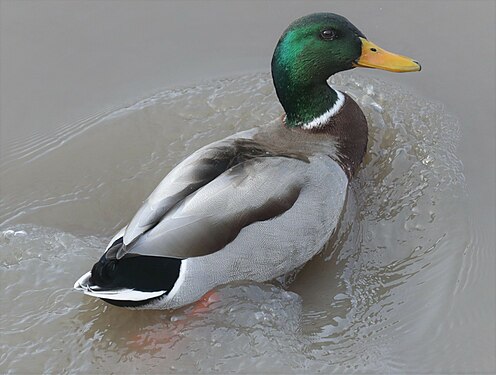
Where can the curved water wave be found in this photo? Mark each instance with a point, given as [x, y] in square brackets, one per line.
[378, 298]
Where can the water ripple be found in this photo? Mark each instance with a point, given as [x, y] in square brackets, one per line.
[384, 296]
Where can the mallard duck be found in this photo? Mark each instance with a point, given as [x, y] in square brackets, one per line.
[260, 203]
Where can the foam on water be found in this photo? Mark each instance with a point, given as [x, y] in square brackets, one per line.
[380, 297]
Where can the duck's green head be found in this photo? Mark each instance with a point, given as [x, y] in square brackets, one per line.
[312, 49]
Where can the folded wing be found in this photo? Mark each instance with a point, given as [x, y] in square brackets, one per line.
[205, 201]
[206, 221]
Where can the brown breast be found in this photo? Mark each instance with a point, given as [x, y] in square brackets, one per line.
[349, 128]
[343, 138]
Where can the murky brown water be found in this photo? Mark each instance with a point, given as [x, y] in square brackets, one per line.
[373, 300]
[406, 284]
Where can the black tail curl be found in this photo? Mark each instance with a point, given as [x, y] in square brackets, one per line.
[138, 272]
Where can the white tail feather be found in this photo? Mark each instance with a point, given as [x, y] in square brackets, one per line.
[116, 294]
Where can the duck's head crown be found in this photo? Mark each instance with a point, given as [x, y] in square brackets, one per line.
[312, 49]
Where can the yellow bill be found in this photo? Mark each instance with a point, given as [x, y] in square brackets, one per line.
[375, 57]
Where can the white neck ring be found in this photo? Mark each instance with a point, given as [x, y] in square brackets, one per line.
[318, 122]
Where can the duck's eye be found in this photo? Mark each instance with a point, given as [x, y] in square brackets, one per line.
[328, 34]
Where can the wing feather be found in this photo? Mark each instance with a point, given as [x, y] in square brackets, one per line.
[194, 172]
[256, 190]
[187, 178]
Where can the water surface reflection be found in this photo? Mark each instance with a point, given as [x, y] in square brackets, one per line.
[378, 298]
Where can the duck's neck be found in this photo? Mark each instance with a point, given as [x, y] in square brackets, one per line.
[308, 105]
